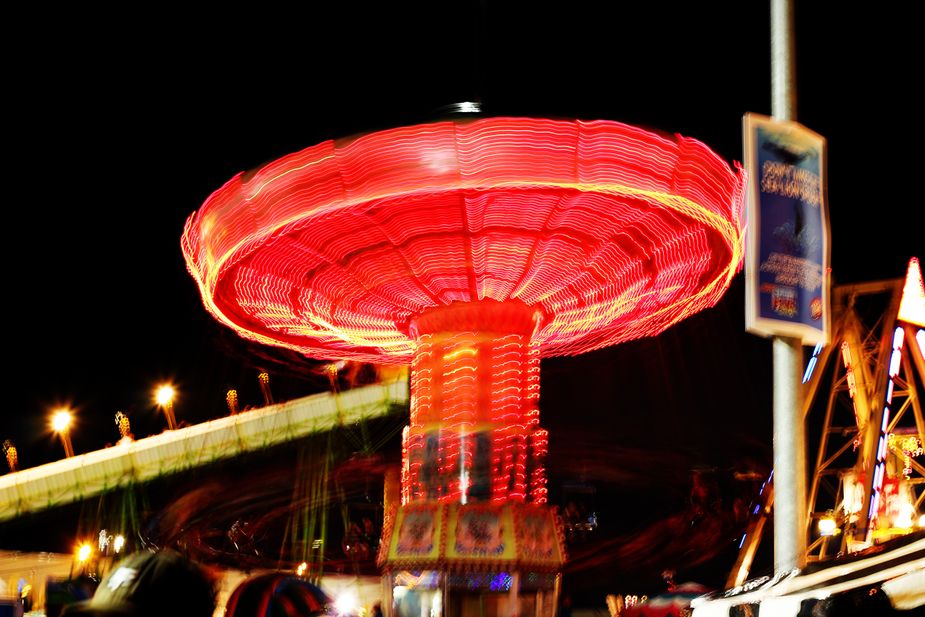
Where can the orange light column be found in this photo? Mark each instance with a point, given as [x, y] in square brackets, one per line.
[474, 394]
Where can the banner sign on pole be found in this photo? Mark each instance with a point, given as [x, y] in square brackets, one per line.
[787, 255]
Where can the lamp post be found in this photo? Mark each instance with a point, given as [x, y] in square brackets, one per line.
[83, 554]
[12, 456]
[61, 424]
[232, 399]
[164, 397]
[124, 426]
[787, 352]
[264, 379]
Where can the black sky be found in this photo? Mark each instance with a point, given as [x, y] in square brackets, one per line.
[119, 126]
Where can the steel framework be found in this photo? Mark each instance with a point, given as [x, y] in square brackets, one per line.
[869, 386]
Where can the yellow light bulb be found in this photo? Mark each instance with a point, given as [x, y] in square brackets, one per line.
[84, 552]
[61, 420]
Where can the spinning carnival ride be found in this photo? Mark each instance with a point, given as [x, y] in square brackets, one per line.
[469, 250]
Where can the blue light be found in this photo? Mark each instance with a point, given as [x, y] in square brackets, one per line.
[812, 363]
[500, 582]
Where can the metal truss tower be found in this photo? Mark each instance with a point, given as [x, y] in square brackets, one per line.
[868, 480]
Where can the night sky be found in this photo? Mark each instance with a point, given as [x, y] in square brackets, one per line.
[115, 134]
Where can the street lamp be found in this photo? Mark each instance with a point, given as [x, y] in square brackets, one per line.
[61, 424]
[232, 399]
[164, 397]
[84, 551]
[827, 525]
[264, 379]
[124, 426]
[12, 456]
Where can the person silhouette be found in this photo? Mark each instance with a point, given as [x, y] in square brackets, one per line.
[151, 584]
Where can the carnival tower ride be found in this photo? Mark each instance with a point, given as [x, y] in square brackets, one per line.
[470, 249]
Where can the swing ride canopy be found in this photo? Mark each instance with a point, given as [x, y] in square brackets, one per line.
[603, 231]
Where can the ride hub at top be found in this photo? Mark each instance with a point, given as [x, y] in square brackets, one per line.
[469, 249]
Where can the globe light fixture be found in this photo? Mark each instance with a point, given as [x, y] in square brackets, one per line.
[61, 423]
[12, 455]
[164, 397]
[827, 526]
[84, 551]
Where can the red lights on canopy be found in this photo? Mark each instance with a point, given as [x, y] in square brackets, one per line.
[609, 232]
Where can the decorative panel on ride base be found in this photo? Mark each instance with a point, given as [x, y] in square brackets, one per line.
[452, 536]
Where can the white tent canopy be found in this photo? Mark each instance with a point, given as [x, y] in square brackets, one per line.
[897, 568]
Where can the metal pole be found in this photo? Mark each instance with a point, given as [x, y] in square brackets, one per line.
[783, 65]
[264, 379]
[68, 447]
[171, 420]
[789, 430]
[789, 457]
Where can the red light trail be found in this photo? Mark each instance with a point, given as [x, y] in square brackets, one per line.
[470, 249]
[611, 232]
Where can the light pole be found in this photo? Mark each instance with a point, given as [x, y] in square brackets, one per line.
[124, 426]
[787, 352]
[232, 399]
[164, 397]
[264, 379]
[61, 424]
[12, 456]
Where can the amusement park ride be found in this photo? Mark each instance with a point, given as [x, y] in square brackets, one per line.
[469, 249]
[868, 485]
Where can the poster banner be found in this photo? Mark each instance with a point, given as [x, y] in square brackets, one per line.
[787, 261]
[481, 532]
[537, 536]
[418, 532]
